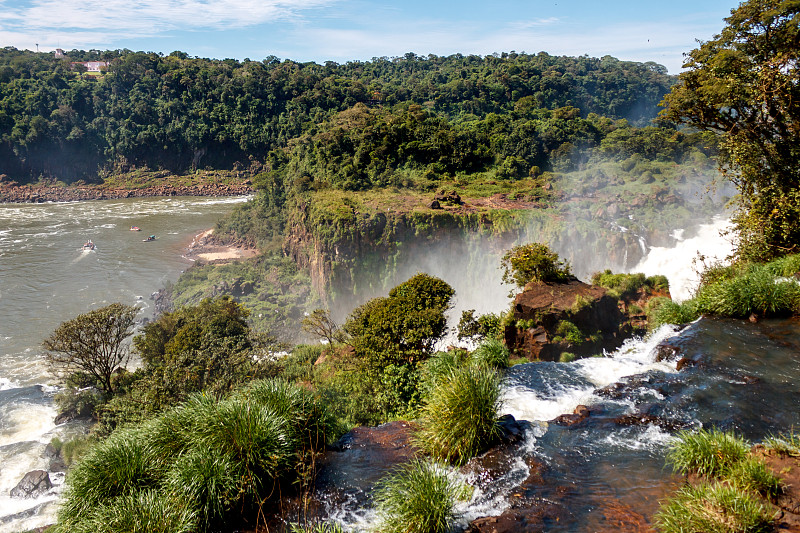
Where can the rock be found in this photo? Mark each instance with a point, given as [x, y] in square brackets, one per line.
[543, 306]
[32, 485]
[580, 414]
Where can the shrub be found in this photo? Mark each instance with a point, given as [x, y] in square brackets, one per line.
[491, 353]
[534, 262]
[459, 418]
[299, 365]
[713, 509]
[569, 332]
[119, 466]
[706, 452]
[665, 311]
[566, 357]
[417, 498]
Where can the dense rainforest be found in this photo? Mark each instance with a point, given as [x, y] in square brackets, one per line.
[180, 113]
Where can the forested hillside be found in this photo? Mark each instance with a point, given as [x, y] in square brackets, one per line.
[176, 113]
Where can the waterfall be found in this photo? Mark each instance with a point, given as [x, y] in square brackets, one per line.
[677, 262]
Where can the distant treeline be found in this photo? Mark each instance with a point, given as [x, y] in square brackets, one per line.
[352, 125]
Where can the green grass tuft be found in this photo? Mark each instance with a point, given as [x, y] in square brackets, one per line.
[752, 475]
[459, 417]
[713, 509]
[418, 497]
[491, 353]
[706, 452]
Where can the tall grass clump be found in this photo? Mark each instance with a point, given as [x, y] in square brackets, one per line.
[786, 266]
[786, 444]
[311, 423]
[418, 497]
[490, 353]
[438, 366]
[459, 417]
[706, 452]
[119, 466]
[200, 465]
[752, 475]
[713, 508]
[665, 311]
[147, 511]
[756, 291]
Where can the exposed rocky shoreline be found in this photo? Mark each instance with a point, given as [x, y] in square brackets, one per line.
[44, 193]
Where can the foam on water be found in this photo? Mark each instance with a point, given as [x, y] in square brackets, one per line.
[677, 262]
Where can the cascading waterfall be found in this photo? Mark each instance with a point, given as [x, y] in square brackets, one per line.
[677, 262]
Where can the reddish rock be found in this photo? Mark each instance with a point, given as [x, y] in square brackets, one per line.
[545, 305]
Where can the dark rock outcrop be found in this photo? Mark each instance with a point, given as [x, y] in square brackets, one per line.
[34, 483]
[541, 309]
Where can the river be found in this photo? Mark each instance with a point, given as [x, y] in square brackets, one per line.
[46, 278]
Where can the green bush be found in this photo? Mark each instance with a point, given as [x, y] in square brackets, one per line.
[534, 262]
[491, 353]
[417, 498]
[665, 311]
[713, 509]
[119, 466]
[706, 452]
[459, 417]
[568, 332]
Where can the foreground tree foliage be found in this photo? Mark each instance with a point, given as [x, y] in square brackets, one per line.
[92, 344]
[745, 85]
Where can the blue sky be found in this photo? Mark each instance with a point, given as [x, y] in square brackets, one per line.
[343, 30]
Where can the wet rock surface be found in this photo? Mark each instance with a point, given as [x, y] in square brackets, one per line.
[35, 483]
[542, 307]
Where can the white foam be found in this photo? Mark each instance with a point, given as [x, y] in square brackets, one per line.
[676, 262]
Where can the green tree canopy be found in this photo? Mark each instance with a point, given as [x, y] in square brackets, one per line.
[92, 343]
[745, 85]
[534, 262]
[403, 327]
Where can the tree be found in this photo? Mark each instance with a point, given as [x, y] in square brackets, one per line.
[320, 324]
[403, 327]
[534, 262]
[745, 85]
[92, 343]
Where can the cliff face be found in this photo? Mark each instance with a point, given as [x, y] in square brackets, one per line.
[551, 319]
[355, 254]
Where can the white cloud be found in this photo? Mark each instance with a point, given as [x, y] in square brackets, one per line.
[149, 17]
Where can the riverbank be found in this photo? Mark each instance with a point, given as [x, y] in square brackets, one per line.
[206, 249]
[51, 193]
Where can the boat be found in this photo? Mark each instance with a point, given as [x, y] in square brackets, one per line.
[150, 238]
[135, 228]
[88, 246]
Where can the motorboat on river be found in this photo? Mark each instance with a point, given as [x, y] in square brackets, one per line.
[88, 246]
[150, 238]
[135, 228]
